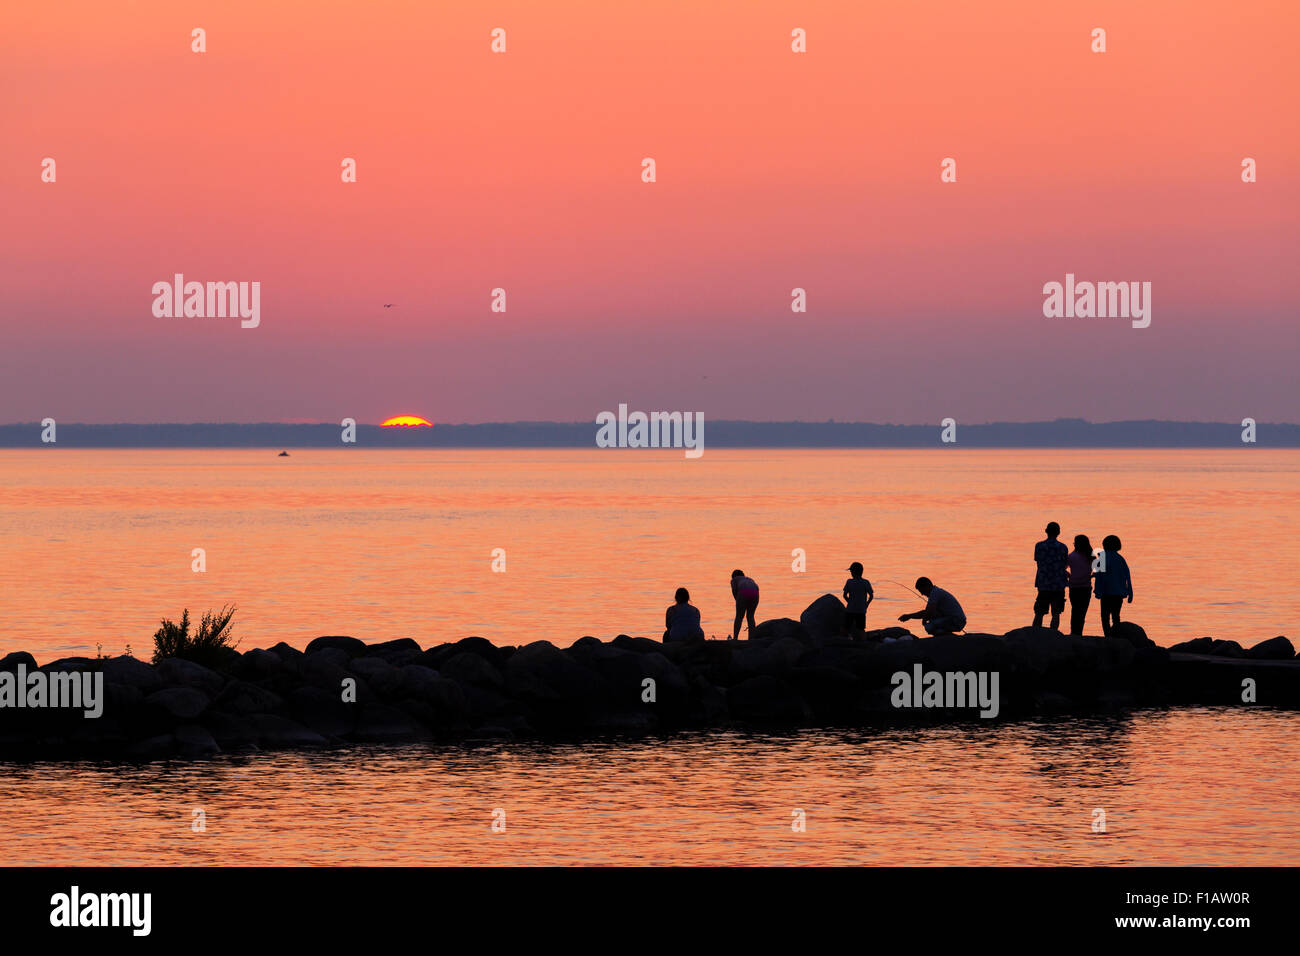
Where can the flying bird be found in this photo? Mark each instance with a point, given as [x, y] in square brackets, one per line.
[389, 305]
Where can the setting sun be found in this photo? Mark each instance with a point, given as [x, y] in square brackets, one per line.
[405, 420]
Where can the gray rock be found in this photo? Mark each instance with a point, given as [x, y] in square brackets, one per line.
[1226, 649]
[183, 703]
[398, 653]
[70, 664]
[1200, 645]
[318, 671]
[242, 697]
[880, 635]
[766, 698]
[177, 672]
[152, 748]
[640, 645]
[323, 712]
[752, 658]
[382, 677]
[286, 653]
[379, 722]
[130, 672]
[418, 681]
[330, 655]
[10, 662]
[824, 618]
[275, 731]
[349, 645]
[1274, 649]
[259, 663]
[193, 740]
[470, 668]
[230, 731]
[473, 645]
[781, 627]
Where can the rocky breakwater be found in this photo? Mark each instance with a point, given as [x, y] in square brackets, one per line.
[342, 690]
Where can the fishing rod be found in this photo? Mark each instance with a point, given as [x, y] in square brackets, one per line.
[901, 585]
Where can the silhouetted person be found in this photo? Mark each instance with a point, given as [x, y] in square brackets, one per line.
[1113, 583]
[745, 591]
[1050, 555]
[1079, 566]
[857, 598]
[682, 619]
[941, 614]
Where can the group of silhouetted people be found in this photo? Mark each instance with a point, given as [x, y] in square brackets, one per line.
[682, 619]
[1082, 572]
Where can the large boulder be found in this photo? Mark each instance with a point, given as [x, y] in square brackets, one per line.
[1226, 649]
[829, 691]
[231, 731]
[473, 645]
[382, 677]
[398, 652]
[766, 698]
[642, 645]
[286, 653]
[259, 663]
[322, 712]
[274, 731]
[10, 662]
[470, 668]
[780, 627]
[417, 680]
[242, 697]
[130, 672]
[349, 645]
[882, 634]
[380, 722]
[64, 664]
[824, 618]
[329, 675]
[1133, 633]
[1274, 649]
[177, 672]
[751, 658]
[182, 703]
[192, 740]
[560, 672]
[1200, 645]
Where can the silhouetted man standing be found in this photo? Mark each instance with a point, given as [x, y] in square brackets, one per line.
[1050, 555]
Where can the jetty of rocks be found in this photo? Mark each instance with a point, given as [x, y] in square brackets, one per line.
[341, 690]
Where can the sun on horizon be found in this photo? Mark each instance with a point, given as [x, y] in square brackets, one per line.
[406, 421]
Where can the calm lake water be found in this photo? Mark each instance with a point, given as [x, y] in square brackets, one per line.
[95, 546]
[1202, 786]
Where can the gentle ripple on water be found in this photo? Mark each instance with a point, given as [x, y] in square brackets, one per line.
[1199, 786]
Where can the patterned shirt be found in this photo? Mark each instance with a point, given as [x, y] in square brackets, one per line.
[1050, 555]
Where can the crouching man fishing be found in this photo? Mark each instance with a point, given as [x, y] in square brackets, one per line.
[942, 614]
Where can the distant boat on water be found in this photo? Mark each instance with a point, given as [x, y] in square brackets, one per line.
[283, 454]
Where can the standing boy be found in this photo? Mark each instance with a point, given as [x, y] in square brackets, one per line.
[857, 598]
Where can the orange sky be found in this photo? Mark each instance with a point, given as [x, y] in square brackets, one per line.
[521, 171]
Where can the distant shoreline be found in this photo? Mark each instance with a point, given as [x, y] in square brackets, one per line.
[1062, 433]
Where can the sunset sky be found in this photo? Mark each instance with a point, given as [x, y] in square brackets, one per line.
[523, 171]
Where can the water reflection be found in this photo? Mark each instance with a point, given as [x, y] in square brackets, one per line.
[970, 793]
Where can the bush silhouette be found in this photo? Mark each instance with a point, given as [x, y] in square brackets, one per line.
[209, 647]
